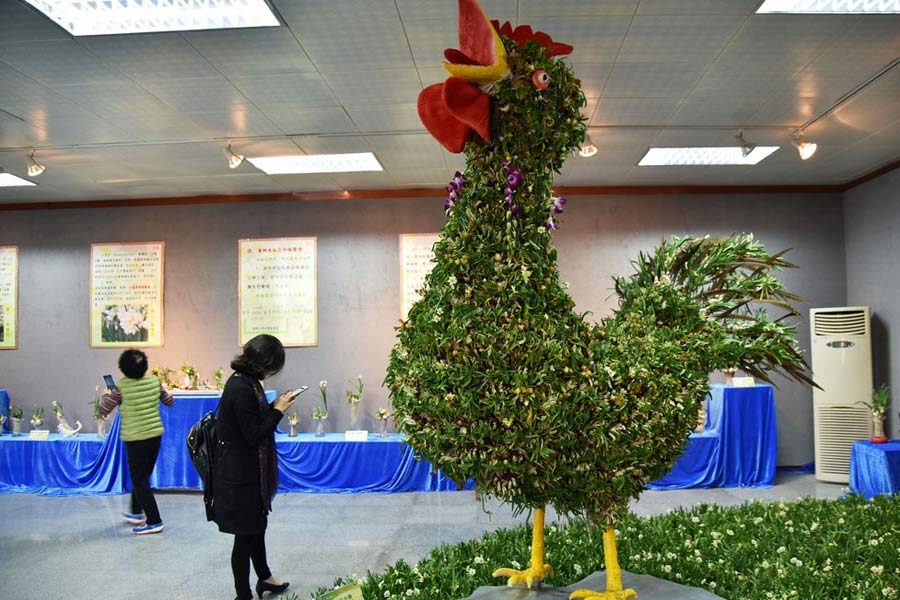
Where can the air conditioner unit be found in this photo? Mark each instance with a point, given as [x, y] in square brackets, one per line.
[842, 366]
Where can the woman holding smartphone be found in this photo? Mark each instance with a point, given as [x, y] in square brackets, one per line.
[245, 475]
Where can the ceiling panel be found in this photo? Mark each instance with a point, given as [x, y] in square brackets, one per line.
[698, 7]
[593, 77]
[150, 56]
[255, 51]
[727, 110]
[113, 97]
[341, 33]
[295, 119]
[634, 111]
[375, 86]
[652, 80]
[675, 38]
[57, 62]
[385, 117]
[306, 89]
[541, 8]
[406, 151]
[198, 94]
[234, 123]
[21, 23]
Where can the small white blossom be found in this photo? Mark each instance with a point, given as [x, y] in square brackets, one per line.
[479, 560]
[470, 571]
[877, 570]
[781, 550]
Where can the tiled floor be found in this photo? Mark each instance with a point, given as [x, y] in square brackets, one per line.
[77, 548]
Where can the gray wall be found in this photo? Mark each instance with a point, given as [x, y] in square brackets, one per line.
[872, 233]
[359, 283]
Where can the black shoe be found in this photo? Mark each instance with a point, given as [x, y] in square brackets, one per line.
[262, 587]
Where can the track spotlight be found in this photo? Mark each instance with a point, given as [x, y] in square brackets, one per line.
[34, 168]
[588, 149]
[806, 149]
[746, 147]
[234, 159]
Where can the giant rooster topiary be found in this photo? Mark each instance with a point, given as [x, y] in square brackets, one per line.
[494, 376]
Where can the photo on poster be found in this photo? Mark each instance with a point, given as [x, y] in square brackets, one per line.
[125, 323]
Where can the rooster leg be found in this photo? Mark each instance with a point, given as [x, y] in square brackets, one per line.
[535, 573]
[614, 589]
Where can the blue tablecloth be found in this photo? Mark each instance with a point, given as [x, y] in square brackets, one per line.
[738, 447]
[875, 468]
[173, 467]
[61, 466]
[87, 465]
[329, 464]
[4, 409]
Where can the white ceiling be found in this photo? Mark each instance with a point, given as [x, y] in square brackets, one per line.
[147, 115]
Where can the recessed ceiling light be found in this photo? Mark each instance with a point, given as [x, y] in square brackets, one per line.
[10, 180]
[831, 7]
[317, 163]
[104, 17]
[734, 155]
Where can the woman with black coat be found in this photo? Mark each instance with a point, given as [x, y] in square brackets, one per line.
[245, 475]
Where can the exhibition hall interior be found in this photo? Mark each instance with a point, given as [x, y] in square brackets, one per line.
[450, 299]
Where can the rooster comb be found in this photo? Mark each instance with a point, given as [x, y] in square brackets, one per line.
[523, 33]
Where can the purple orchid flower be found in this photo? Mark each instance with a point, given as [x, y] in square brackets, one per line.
[454, 189]
[516, 210]
[550, 224]
[558, 204]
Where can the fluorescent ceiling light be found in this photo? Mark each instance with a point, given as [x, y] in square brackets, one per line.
[10, 180]
[733, 155]
[112, 17]
[831, 7]
[317, 163]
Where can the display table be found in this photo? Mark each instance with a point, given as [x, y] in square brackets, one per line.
[64, 466]
[88, 465]
[331, 465]
[875, 468]
[738, 447]
[173, 467]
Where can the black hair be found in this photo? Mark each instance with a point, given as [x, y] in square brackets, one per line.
[263, 356]
[133, 363]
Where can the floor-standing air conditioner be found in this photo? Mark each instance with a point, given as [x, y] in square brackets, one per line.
[842, 366]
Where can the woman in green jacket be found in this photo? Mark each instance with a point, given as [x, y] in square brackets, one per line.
[138, 396]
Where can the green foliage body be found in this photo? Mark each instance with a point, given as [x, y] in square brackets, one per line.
[495, 377]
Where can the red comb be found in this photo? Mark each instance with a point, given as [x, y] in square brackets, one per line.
[523, 33]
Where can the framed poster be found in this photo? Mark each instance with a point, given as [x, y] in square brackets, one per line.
[127, 294]
[9, 297]
[416, 261]
[277, 290]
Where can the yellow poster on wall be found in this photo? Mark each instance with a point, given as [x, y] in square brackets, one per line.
[277, 290]
[416, 261]
[127, 294]
[9, 297]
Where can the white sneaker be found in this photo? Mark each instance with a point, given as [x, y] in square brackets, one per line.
[134, 518]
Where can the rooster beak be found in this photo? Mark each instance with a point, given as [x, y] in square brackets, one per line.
[481, 58]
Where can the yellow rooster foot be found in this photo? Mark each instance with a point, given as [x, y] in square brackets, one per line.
[608, 595]
[531, 577]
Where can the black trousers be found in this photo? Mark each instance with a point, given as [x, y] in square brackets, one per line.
[248, 548]
[141, 460]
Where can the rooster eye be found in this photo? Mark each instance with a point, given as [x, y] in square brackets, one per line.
[540, 79]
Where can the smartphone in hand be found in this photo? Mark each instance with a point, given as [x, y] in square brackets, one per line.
[297, 391]
[110, 382]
